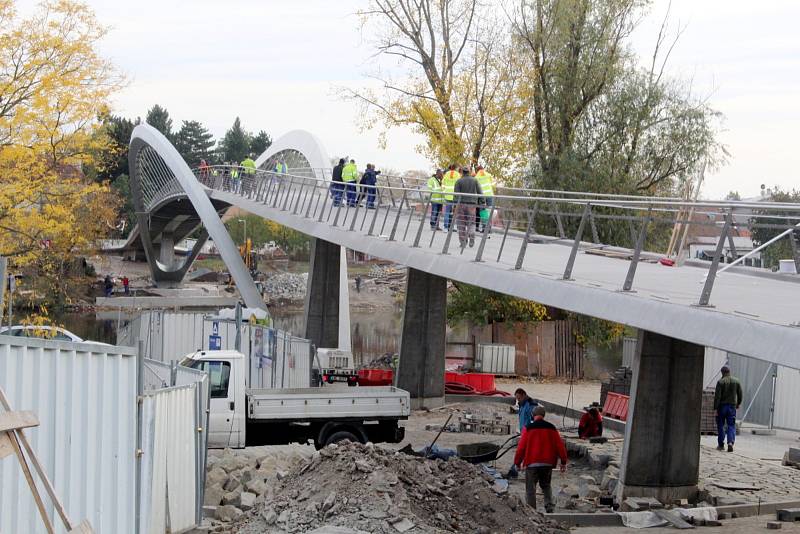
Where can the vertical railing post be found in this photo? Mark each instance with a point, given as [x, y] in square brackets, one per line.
[559, 222]
[422, 222]
[637, 251]
[705, 296]
[524, 246]
[486, 229]
[577, 243]
[397, 218]
[503, 241]
[453, 217]
[288, 194]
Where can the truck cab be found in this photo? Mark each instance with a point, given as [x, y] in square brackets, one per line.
[226, 378]
[242, 417]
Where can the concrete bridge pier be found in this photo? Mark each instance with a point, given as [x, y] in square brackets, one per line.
[327, 305]
[422, 342]
[661, 455]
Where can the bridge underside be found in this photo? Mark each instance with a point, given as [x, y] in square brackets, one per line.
[166, 226]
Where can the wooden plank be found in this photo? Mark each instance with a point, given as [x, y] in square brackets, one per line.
[31, 484]
[84, 528]
[5, 445]
[38, 466]
[17, 420]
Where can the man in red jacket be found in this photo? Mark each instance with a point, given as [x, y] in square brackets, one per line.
[538, 451]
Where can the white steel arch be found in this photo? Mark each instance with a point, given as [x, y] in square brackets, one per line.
[155, 167]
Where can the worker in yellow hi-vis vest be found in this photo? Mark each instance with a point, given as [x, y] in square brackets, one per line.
[350, 177]
[486, 182]
[435, 188]
[448, 188]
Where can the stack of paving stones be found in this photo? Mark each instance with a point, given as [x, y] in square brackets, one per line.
[708, 422]
[620, 382]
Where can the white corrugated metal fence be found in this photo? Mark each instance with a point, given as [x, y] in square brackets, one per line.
[84, 396]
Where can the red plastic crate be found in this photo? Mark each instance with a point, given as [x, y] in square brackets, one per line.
[616, 406]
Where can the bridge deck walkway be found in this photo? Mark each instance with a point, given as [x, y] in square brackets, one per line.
[750, 315]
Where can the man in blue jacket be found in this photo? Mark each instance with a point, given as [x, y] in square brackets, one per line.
[368, 181]
[526, 406]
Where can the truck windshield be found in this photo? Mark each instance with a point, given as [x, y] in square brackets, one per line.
[219, 375]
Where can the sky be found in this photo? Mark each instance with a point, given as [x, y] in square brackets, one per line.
[279, 66]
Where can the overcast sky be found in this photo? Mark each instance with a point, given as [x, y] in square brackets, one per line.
[277, 64]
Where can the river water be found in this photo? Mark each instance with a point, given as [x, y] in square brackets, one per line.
[373, 333]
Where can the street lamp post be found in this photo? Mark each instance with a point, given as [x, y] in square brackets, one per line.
[244, 241]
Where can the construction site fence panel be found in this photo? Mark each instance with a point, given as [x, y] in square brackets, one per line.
[170, 458]
[761, 383]
[84, 396]
[160, 377]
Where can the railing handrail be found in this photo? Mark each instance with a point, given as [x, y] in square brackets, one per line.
[599, 200]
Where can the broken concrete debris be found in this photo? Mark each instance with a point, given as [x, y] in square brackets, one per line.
[353, 488]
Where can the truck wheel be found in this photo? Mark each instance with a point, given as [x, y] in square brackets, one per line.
[352, 382]
[341, 435]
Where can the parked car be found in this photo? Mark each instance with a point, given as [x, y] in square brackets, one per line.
[44, 332]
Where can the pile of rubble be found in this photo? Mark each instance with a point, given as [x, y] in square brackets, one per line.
[235, 480]
[381, 362]
[362, 488]
[286, 286]
[387, 278]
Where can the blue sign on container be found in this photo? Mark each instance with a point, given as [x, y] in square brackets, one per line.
[214, 342]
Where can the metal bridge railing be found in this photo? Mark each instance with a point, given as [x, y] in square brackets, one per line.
[401, 211]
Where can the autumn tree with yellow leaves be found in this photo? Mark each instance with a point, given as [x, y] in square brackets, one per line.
[53, 87]
[456, 84]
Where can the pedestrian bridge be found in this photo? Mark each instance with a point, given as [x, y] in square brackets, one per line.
[742, 310]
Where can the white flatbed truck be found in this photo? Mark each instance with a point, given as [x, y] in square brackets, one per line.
[242, 417]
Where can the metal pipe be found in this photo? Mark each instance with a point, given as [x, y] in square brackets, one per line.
[759, 248]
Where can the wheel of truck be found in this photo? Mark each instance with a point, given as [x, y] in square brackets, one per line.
[352, 382]
[342, 435]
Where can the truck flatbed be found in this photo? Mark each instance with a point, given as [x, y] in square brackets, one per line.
[307, 404]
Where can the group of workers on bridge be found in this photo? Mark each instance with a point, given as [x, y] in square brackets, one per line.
[235, 178]
[465, 195]
[345, 184]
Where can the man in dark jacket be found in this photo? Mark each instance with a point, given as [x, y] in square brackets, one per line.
[468, 192]
[337, 187]
[539, 450]
[368, 181]
[591, 423]
[727, 399]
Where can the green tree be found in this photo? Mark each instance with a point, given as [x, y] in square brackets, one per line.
[158, 118]
[481, 306]
[194, 142]
[261, 231]
[600, 121]
[761, 232]
[235, 145]
[260, 143]
[113, 160]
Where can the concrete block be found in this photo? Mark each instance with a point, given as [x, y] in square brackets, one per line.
[228, 513]
[247, 500]
[217, 475]
[794, 455]
[788, 514]
[213, 495]
[774, 525]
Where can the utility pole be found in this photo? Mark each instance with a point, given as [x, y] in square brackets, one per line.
[3, 264]
[244, 241]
